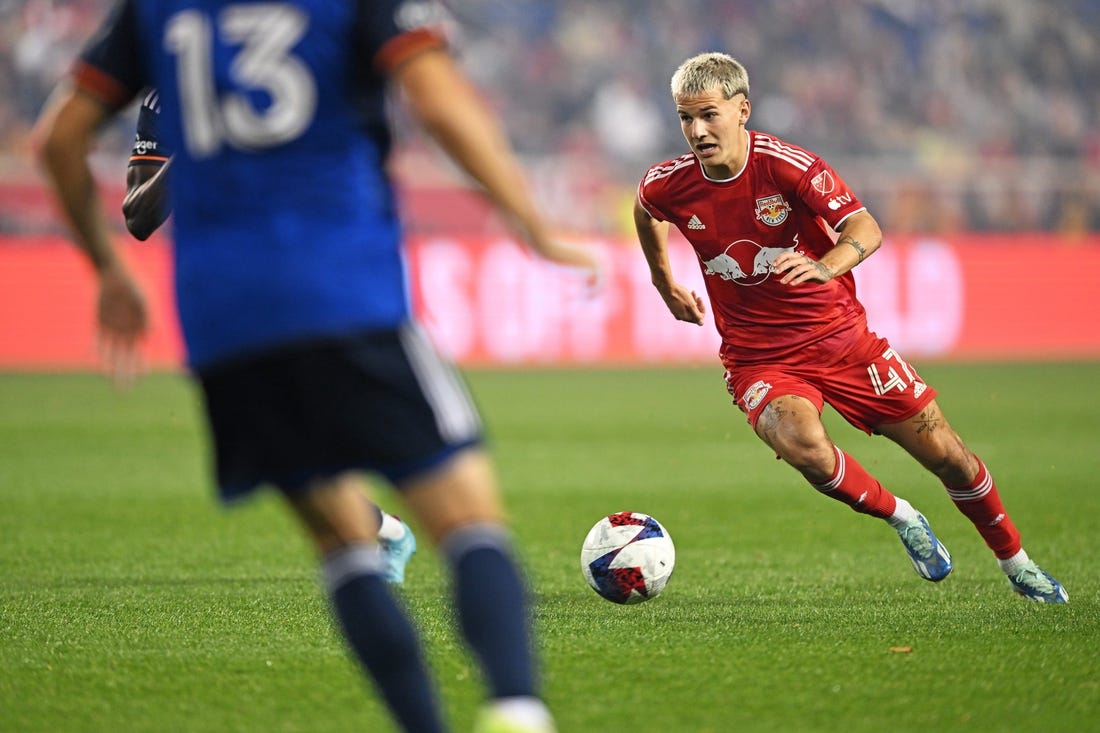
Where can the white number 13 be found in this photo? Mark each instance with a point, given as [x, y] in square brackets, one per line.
[266, 33]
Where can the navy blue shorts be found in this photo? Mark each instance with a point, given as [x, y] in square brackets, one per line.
[382, 401]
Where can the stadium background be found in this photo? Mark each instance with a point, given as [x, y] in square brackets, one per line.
[971, 130]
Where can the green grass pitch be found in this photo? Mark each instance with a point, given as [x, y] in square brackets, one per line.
[131, 601]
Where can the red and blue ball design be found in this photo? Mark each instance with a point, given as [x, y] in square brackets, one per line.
[628, 557]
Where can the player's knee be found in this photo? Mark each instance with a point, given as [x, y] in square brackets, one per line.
[326, 541]
[335, 514]
[808, 450]
[816, 462]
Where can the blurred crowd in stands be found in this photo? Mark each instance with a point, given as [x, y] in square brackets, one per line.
[944, 115]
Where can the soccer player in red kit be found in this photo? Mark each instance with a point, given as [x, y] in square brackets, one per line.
[761, 215]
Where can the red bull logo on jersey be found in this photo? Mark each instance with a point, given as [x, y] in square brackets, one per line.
[772, 210]
[745, 262]
[755, 394]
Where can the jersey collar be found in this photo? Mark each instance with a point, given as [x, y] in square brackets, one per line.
[735, 176]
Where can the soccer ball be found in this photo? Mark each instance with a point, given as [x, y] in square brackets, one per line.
[628, 557]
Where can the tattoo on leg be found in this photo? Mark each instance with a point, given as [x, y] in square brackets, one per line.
[779, 410]
[769, 421]
[927, 421]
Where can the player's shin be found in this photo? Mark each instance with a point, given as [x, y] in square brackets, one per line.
[851, 484]
[380, 634]
[980, 502]
[490, 598]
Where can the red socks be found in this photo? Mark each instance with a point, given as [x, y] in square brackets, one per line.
[852, 485]
[981, 504]
[978, 501]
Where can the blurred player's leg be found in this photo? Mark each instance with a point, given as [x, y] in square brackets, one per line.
[344, 529]
[460, 508]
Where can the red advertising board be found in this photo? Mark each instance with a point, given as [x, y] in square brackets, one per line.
[487, 302]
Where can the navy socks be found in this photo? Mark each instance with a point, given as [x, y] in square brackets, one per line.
[490, 599]
[381, 636]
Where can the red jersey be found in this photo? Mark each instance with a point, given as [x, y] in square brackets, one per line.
[785, 198]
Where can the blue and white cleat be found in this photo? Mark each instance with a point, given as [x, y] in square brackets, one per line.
[930, 558]
[1032, 582]
[397, 554]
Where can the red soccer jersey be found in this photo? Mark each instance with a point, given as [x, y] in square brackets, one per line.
[782, 200]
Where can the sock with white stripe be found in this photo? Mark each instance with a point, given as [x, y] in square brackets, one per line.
[981, 503]
[852, 485]
[490, 598]
[381, 636]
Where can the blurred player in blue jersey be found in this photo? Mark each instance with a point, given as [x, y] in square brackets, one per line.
[145, 208]
[292, 295]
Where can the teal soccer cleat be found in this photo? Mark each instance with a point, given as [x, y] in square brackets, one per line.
[397, 554]
[930, 558]
[1034, 583]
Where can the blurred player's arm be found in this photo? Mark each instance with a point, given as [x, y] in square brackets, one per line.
[684, 304]
[445, 102]
[64, 136]
[860, 236]
[146, 203]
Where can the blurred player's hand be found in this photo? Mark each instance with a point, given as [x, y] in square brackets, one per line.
[582, 258]
[123, 321]
[592, 272]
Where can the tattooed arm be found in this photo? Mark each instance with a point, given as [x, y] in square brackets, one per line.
[860, 236]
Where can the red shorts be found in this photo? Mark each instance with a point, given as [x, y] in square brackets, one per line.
[871, 385]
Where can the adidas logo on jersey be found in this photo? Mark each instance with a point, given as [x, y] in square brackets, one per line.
[694, 223]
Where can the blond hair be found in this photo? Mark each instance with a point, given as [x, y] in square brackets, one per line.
[708, 72]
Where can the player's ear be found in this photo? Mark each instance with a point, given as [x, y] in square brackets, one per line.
[746, 110]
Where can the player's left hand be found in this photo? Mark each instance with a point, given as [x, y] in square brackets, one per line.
[797, 268]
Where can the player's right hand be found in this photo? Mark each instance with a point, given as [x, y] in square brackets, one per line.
[593, 272]
[123, 321]
[583, 259]
[685, 305]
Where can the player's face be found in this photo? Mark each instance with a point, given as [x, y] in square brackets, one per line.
[713, 126]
